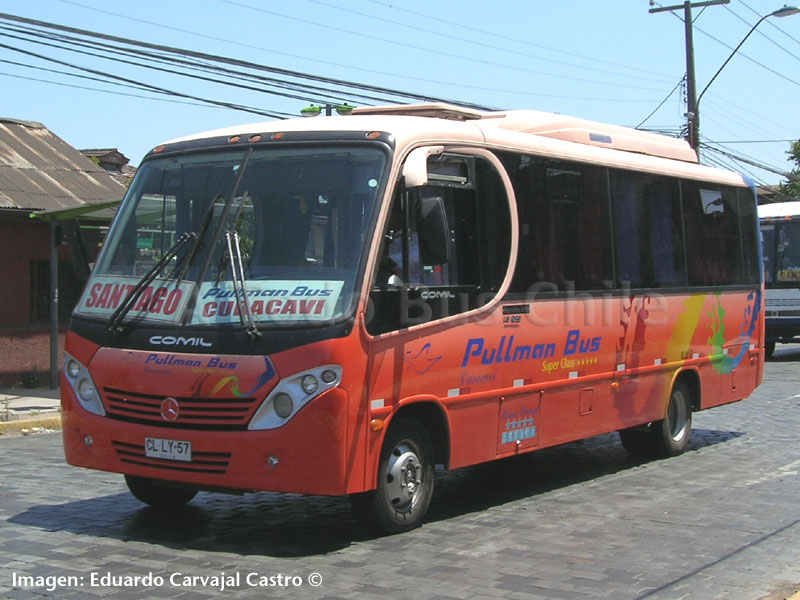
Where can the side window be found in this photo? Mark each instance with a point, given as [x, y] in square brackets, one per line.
[713, 245]
[648, 232]
[564, 225]
[445, 247]
[748, 225]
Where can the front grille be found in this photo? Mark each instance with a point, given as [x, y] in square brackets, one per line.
[227, 414]
[202, 462]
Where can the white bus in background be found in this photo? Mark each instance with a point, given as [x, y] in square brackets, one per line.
[780, 243]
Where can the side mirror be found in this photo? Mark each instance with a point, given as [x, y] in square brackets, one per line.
[415, 169]
[433, 230]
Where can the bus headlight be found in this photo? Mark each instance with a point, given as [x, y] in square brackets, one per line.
[86, 390]
[293, 393]
[72, 368]
[82, 385]
[310, 384]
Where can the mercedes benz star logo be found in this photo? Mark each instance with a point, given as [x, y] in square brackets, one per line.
[170, 409]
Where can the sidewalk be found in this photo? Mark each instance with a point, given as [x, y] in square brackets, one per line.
[27, 411]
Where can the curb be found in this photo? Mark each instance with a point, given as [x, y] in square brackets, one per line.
[28, 426]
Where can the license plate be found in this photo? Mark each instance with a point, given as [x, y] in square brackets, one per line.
[168, 449]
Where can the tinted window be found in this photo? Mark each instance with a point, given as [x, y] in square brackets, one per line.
[748, 225]
[713, 247]
[564, 229]
[647, 230]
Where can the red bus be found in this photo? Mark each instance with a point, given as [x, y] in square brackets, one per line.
[337, 305]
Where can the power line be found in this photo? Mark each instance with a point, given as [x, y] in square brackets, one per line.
[148, 87]
[473, 42]
[115, 93]
[762, 157]
[308, 89]
[382, 72]
[739, 158]
[754, 141]
[230, 61]
[161, 69]
[761, 33]
[450, 22]
[742, 54]
[770, 23]
[663, 102]
[432, 50]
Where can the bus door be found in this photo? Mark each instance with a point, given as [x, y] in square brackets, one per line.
[443, 261]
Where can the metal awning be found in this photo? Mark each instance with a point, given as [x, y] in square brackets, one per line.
[95, 210]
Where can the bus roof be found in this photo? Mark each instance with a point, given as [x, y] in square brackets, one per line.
[550, 134]
[552, 125]
[779, 210]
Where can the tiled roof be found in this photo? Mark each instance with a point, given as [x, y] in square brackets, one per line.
[40, 171]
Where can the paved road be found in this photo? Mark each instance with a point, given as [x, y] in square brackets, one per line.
[578, 521]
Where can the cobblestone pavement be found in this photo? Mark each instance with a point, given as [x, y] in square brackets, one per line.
[577, 521]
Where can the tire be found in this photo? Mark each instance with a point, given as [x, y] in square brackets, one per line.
[671, 435]
[668, 437]
[405, 481]
[156, 495]
[769, 349]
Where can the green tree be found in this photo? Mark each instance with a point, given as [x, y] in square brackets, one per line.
[791, 187]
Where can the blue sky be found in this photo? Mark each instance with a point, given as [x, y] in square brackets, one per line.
[605, 61]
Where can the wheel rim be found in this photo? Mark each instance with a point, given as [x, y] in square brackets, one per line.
[404, 477]
[679, 417]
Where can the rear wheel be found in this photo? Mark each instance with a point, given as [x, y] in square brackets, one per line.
[671, 435]
[405, 481]
[668, 437]
[769, 349]
[156, 495]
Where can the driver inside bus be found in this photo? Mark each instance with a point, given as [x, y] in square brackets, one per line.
[390, 267]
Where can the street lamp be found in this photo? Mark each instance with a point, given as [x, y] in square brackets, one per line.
[693, 112]
[786, 11]
[694, 119]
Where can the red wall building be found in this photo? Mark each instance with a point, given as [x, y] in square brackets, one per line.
[39, 172]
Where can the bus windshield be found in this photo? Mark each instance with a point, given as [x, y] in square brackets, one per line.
[781, 250]
[284, 228]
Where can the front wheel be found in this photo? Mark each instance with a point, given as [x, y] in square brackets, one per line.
[405, 481]
[158, 496]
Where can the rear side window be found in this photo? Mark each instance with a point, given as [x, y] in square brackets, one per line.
[713, 245]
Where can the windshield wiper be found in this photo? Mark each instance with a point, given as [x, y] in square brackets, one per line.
[136, 292]
[239, 285]
[189, 256]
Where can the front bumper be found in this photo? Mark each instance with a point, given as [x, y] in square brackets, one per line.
[308, 455]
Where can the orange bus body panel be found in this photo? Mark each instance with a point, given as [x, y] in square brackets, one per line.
[508, 383]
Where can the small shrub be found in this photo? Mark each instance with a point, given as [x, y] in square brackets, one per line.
[32, 379]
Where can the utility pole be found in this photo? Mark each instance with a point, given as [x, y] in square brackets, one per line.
[692, 109]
